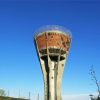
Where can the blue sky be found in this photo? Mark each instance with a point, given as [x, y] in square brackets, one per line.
[19, 65]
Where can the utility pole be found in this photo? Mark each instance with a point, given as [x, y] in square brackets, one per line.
[19, 94]
[38, 97]
[29, 95]
[8, 93]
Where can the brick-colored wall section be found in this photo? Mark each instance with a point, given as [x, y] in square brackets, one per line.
[54, 39]
[11, 98]
[41, 41]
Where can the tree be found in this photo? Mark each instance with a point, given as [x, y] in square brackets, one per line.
[94, 78]
[98, 98]
[2, 92]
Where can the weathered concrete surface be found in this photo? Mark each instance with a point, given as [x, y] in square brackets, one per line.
[52, 47]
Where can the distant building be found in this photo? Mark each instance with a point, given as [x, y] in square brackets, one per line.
[11, 98]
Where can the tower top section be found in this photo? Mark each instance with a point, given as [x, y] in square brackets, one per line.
[52, 28]
[53, 39]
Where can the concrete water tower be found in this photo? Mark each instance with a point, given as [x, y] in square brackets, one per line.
[52, 43]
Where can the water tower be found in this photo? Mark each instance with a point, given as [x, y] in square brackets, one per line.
[52, 43]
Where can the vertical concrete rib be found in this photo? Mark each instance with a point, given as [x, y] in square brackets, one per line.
[51, 73]
[57, 74]
[42, 63]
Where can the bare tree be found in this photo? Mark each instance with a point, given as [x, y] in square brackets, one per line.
[94, 78]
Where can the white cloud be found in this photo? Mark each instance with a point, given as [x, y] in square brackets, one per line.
[69, 97]
[76, 97]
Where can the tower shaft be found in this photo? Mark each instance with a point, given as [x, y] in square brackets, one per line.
[52, 72]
